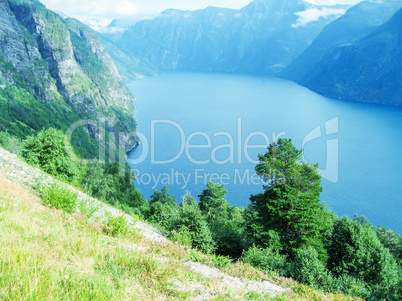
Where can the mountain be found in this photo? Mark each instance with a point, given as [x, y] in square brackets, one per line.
[130, 67]
[263, 37]
[356, 57]
[116, 28]
[54, 72]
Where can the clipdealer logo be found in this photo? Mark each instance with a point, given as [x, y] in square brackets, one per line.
[237, 146]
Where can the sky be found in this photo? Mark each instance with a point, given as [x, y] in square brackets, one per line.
[106, 10]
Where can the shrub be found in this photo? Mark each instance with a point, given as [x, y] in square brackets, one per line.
[347, 285]
[220, 261]
[51, 151]
[354, 249]
[116, 225]
[183, 237]
[10, 143]
[229, 238]
[191, 218]
[307, 268]
[56, 196]
[264, 259]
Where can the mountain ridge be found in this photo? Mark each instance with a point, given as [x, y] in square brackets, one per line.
[259, 38]
[63, 69]
[341, 66]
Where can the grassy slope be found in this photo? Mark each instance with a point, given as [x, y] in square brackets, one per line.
[46, 254]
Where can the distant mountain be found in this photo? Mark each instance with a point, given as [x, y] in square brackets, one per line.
[357, 57]
[263, 37]
[130, 67]
[117, 28]
[55, 71]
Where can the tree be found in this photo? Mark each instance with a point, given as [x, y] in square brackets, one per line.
[223, 220]
[212, 202]
[51, 151]
[355, 250]
[107, 183]
[190, 219]
[163, 208]
[289, 209]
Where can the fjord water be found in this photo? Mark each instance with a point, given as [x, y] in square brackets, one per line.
[196, 127]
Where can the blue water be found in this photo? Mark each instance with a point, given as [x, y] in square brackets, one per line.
[195, 126]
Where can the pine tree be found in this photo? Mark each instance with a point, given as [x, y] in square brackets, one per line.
[213, 203]
[289, 210]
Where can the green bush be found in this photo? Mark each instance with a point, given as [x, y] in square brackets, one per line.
[183, 237]
[51, 151]
[116, 225]
[59, 197]
[347, 285]
[108, 183]
[220, 261]
[307, 268]
[10, 143]
[264, 259]
[190, 218]
[355, 250]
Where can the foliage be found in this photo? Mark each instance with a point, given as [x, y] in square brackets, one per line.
[392, 241]
[212, 202]
[10, 143]
[182, 236]
[223, 220]
[190, 219]
[290, 206]
[116, 225]
[87, 207]
[307, 268]
[355, 250]
[52, 152]
[108, 183]
[163, 208]
[22, 113]
[266, 259]
[59, 197]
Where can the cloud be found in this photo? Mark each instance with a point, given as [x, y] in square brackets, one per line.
[314, 14]
[111, 9]
[108, 9]
[98, 24]
[333, 2]
[104, 10]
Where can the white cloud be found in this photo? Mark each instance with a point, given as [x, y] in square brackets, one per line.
[87, 9]
[314, 14]
[109, 9]
[104, 10]
[333, 2]
[98, 24]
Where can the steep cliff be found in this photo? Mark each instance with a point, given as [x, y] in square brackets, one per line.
[60, 67]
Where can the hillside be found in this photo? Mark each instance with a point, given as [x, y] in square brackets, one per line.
[356, 57]
[55, 72]
[263, 37]
[90, 254]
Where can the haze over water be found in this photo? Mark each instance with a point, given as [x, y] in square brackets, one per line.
[206, 125]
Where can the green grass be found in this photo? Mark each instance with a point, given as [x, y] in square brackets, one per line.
[59, 197]
[49, 254]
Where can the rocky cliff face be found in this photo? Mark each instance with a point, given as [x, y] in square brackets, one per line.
[263, 37]
[20, 49]
[63, 61]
